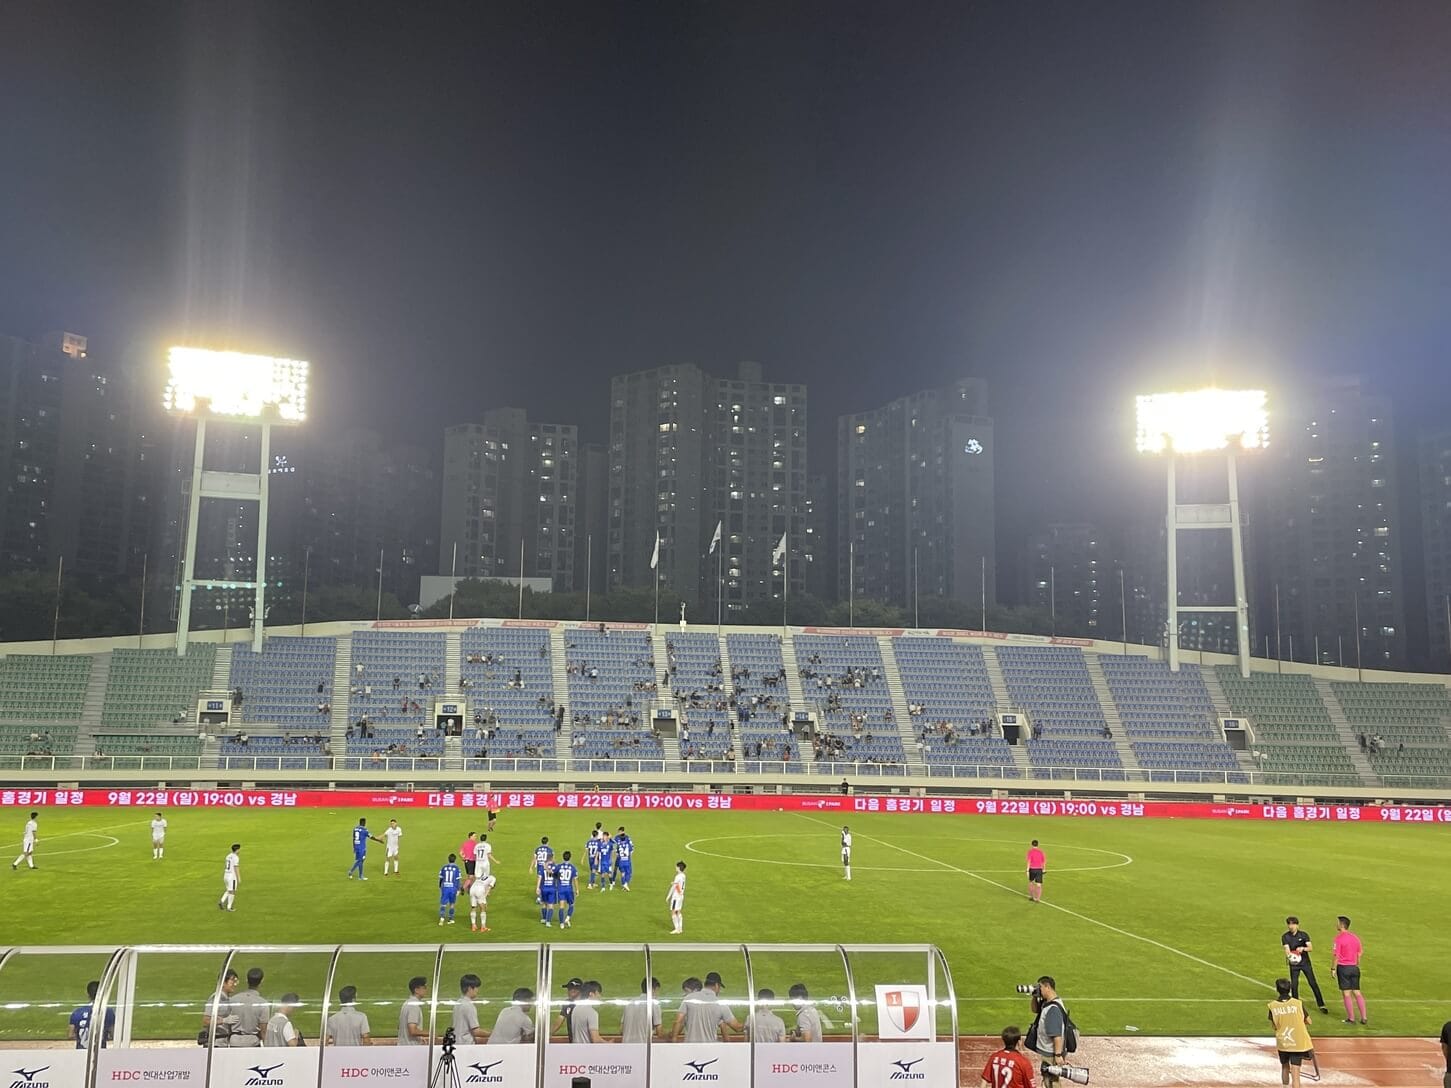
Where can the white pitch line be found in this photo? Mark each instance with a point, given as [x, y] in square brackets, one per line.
[695, 849]
[69, 834]
[1259, 983]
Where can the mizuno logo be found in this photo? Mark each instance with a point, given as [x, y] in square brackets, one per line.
[904, 1070]
[698, 1071]
[28, 1078]
[481, 1074]
[265, 1070]
[264, 1077]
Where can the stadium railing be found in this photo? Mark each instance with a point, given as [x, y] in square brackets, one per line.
[821, 772]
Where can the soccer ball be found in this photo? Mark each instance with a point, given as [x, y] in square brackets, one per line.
[1294, 958]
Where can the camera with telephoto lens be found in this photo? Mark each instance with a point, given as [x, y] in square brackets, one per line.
[1073, 1074]
[450, 1040]
[1028, 989]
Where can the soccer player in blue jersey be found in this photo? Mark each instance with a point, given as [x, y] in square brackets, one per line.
[450, 879]
[593, 848]
[543, 855]
[548, 891]
[566, 886]
[607, 859]
[624, 851]
[361, 837]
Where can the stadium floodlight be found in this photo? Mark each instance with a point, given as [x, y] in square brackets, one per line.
[235, 386]
[231, 387]
[1205, 421]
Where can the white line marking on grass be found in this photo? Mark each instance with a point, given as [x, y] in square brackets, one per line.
[86, 849]
[44, 838]
[1257, 983]
[691, 846]
[1125, 859]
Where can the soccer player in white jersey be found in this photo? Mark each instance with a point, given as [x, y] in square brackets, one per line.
[158, 836]
[675, 897]
[27, 842]
[479, 902]
[391, 836]
[846, 850]
[231, 877]
[483, 857]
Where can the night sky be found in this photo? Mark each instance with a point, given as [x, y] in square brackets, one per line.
[499, 204]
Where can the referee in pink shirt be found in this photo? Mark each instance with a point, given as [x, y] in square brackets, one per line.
[468, 850]
[1347, 969]
[1036, 863]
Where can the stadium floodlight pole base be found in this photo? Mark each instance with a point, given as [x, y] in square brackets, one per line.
[1188, 516]
[233, 487]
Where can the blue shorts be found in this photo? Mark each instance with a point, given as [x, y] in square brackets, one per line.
[448, 897]
[566, 897]
[623, 870]
[547, 895]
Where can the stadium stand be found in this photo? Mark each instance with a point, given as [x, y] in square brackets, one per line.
[1169, 719]
[1293, 731]
[1070, 731]
[143, 751]
[950, 700]
[508, 677]
[1401, 728]
[697, 681]
[147, 688]
[758, 680]
[43, 689]
[274, 752]
[288, 684]
[37, 740]
[395, 674]
[843, 675]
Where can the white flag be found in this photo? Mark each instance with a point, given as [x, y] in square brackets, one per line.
[780, 552]
[655, 555]
[715, 540]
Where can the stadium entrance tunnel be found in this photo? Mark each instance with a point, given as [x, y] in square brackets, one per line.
[505, 1015]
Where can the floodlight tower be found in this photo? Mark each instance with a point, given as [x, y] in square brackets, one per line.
[1205, 422]
[232, 388]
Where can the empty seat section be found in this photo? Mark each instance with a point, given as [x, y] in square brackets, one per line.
[139, 750]
[1167, 716]
[287, 682]
[146, 688]
[245, 749]
[1052, 684]
[950, 700]
[35, 688]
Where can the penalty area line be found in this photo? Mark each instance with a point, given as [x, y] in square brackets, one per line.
[1258, 983]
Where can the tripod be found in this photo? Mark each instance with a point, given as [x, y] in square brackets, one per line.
[446, 1073]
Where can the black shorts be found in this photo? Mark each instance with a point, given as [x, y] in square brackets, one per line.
[1347, 976]
[469, 867]
[1295, 1057]
[1035, 876]
[493, 816]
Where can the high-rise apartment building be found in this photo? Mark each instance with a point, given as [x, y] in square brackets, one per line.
[1433, 456]
[72, 482]
[1066, 576]
[688, 452]
[510, 495]
[915, 498]
[1330, 528]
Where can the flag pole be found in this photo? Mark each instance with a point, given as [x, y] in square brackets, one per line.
[785, 581]
[655, 569]
[141, 619]
[589, 560]
[452, 579]
[55, 625]
[521, 578]
[719, 584]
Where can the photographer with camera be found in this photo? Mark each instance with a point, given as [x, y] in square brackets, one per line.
[1052, 1034]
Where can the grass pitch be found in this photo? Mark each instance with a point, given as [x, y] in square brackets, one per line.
[1161, 927]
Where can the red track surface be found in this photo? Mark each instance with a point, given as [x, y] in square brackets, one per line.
[1124, 1062]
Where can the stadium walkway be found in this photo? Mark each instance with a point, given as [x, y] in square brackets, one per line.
[1236, 1063]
